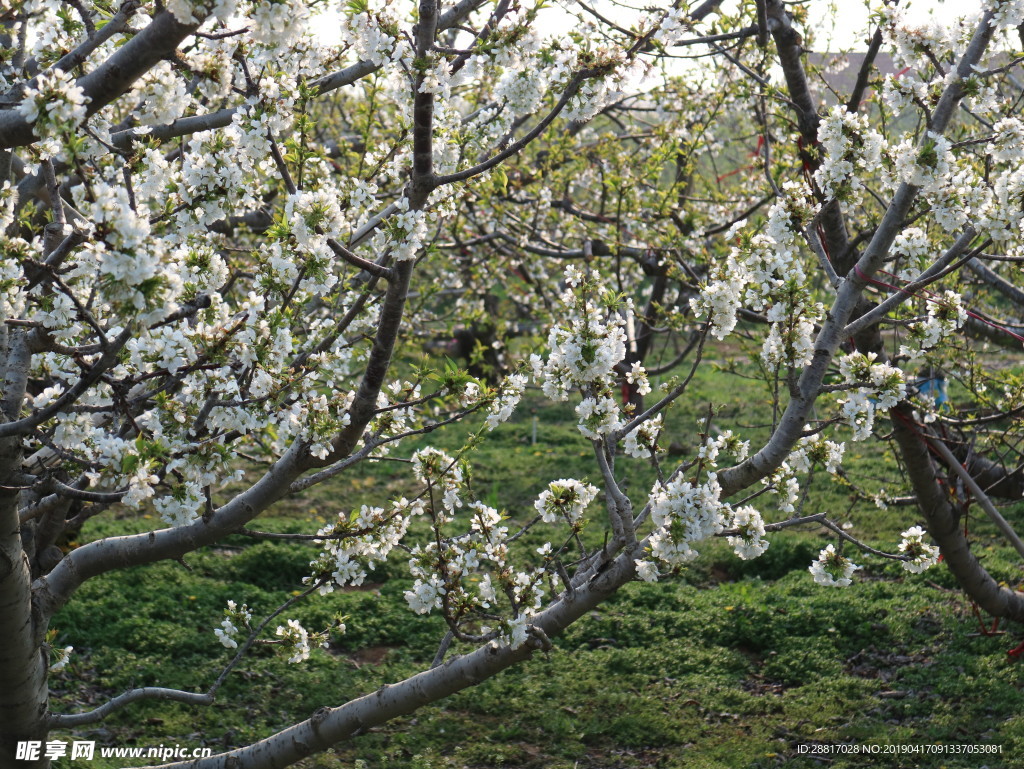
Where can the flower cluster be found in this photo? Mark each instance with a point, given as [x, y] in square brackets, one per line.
[357, 542]
[851, 147]
[790, 340]
[637, 375]
[684, 514]
[235, 618]
[1005, 13]
[1009, 138]
[163, 96]
[999, 214]
[598, 416]
[373, 34]
[874, 386]
[585, 349]
[646, 570]
[925, 165]
[437, 469]
[510, 392]
[279, 23]
[55, 105]
[425, 595]
[913, 43]
[946, 315]
[565, 500]
[394, 418]
[749, 541]
[295, 640]
[584, 352]
[815, 450]
[515, 632]
[912, 249]
[727, 442]
[448, 576]
[642, 442]
[783, 483]
[407, 231]
[597, 93]
[671, 27]
[766, 272]
[920, 555]
[722, 296]
[832, 569]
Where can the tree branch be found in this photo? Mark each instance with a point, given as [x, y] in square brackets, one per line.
[71, 720]
[111, 78]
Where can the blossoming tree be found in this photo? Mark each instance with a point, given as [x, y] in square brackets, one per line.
[221, 234]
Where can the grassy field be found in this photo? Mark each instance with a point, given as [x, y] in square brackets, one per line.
[731, 664]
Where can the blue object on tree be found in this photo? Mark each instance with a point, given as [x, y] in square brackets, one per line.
[935, 387]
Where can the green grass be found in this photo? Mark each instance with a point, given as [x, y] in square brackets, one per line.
[730, 664]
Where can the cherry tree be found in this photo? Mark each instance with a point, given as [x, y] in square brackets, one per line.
[222, 234]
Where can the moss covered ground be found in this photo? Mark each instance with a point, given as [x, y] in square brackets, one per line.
[730, 664]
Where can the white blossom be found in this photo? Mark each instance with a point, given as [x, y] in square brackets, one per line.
[641, 441]
[54, 105]
[683, 514]
[509, 394]
[294, 640]
[647, 570]
[921, 555]
[877, 386]
[832, 569]
[749, 542]
[233, 618]
[63, 657]
[565, 499]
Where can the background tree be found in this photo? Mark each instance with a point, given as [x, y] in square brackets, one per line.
[225, 242]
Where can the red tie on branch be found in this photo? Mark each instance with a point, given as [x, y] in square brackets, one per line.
[933, 298]
[755, 154]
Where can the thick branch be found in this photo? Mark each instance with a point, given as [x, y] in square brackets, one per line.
[943, 524]
[790, 427]
[998, 282]
[787, 42]
[113, 77]
[104, 555]
[196, 123]
[331, 725]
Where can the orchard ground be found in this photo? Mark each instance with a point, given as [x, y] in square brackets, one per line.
[729, 664]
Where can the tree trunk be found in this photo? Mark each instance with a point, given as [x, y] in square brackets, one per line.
[23, 667]
[23, 689]
[944, 525]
